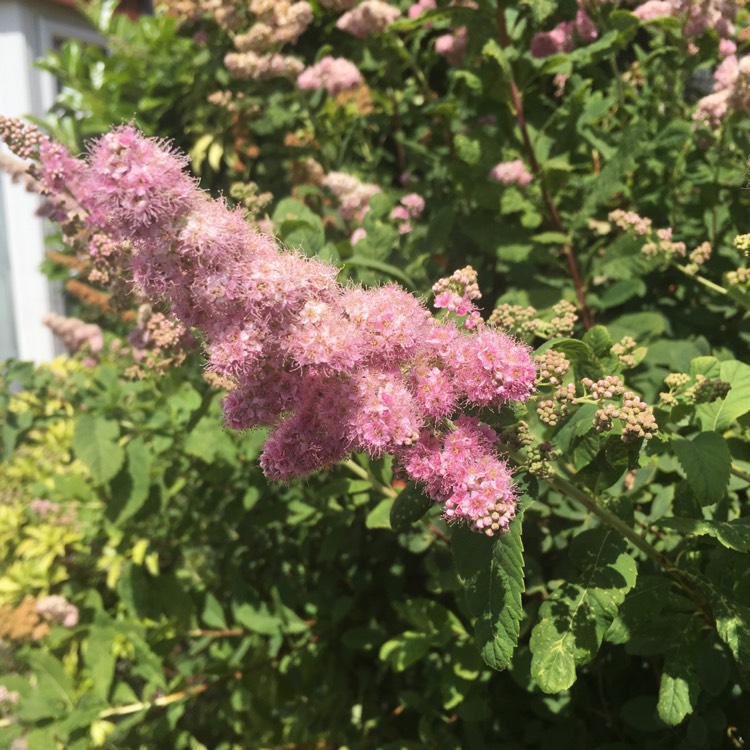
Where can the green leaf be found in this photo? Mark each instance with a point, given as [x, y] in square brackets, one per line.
[492, 573]
[706, 462]
[380, 516]
[130, 487]
[732, 534]
[576, 616]
[95, 443]
[468, 149]
[408, 507]
[213, 612]
[599, 340]
[678, 690]
[378, 265]
[720, 414]
[405, 650]
[101, 659]
[256, 619]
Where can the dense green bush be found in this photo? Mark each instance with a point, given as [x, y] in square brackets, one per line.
[216, 610]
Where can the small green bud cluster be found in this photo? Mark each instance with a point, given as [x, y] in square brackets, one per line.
[247, 194]
[516, 436]
[539, 458]
[623, 350]
[634, 415]
[551, 367]
[552, 410]
[527, 323]
[697, 258]
[740, 277]
[742, 243]
[702, 391]
[518, 319]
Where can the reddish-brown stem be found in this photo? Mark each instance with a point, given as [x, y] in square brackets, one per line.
[554, 214]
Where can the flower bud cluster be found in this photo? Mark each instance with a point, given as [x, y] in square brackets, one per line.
[334, 74]
[703, 390]
[453, 46]
[330, 369]
[539, 460]
[634, 416]
[368, 18]
[624, 351]
[353, 194]
[551, 367]
[8, 697]
[75, 334]
[275, 23]
[659, 242]
[526, 323]
[22, 139]
[57, 610]
[511, 173]
[562, 38]
[742, 243]
[457, 292]
[740, 277]
[699, 16]
[552, 410]
[697, 258]
[411, 207]
[731, 92]
[420, 7]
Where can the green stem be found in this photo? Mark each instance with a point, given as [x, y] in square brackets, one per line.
[741, 473]
[703, 280]
[569, 489]
[363, 473]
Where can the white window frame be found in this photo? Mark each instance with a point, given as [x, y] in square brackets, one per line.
[28, 29]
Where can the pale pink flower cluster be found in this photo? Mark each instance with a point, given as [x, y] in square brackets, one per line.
[334, 74]
[262, 67]
[330, 369]
[659, 242]
[457, 293]
[420, 7]
[562, 38]
[75, 334]
[410, 208]
[699, 15]
[368, 18]
[8, 697]
[57, 610]
[511, 173]
[731, 92]
[277, 22]
[353, 194]
[338, 5]
[357, 235]
[453, 46]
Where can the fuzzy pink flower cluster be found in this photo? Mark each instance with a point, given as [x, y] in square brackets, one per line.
[562, 37]
[368, 18]
[353, 194]
[699, 15]
[731, 92]
[57, 610]
[411, 207]
[511, 173]
[334, 74]
[330, 369]
[8, 697]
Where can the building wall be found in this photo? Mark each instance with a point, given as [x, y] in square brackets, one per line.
[28, 28]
